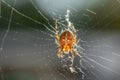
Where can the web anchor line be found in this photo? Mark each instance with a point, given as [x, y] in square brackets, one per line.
[8, 29]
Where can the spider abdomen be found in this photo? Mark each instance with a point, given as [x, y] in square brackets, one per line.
[66, 41]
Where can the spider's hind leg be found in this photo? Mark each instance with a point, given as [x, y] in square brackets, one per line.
[74, 52]
[60, 55]
[73, 56]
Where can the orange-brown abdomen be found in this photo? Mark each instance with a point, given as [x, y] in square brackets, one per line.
[66, 41]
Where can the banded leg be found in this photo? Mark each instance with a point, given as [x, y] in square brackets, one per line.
[56, 27]
[76, 41]
[60, 55]
[56, 33]
[74, 31]
[74, 52]
[73, 55]
[57, 40]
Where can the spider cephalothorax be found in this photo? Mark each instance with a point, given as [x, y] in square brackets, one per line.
[66, 41]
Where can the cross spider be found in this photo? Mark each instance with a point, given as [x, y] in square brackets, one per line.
[66, 41]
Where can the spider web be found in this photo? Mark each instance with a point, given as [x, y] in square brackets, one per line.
[27, 41]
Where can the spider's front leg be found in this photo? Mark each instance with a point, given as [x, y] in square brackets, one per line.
[56, 33]
[74, 32]
[57, 40]
[56, 28]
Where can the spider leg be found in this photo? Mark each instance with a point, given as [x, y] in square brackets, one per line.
[74, 31]
[57, 40]
[73, 55]
[77, 53]
[60, 55]
[77, 41]
[74, 51]
[56, 28]
[56, 34]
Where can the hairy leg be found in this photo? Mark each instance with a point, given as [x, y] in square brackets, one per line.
[60, 55]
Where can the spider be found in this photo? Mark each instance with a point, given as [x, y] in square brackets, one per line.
[66, 41]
